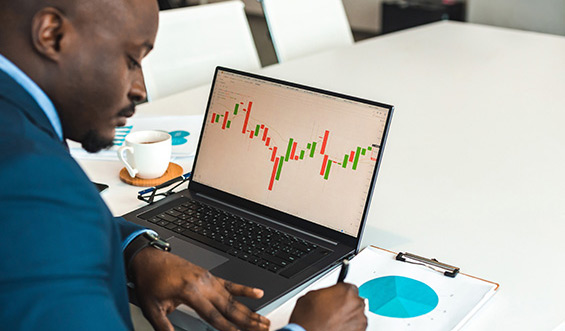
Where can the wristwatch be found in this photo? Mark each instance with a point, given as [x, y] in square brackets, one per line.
[141, 242]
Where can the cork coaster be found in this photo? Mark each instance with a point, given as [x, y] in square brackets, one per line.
[174, 170]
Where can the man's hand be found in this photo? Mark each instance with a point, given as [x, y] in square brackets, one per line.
[334, 308]
[163, 281]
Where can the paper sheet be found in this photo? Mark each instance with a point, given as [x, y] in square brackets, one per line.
[408, 290]
[185, 131]
[561, 327]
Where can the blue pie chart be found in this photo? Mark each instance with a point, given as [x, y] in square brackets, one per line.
[399, 297]
[179, 137]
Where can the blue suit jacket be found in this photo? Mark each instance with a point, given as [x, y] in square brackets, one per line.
[61, 266]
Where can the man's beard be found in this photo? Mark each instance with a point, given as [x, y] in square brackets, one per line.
[93, 142]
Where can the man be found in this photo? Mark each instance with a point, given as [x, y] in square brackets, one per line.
[71, 69]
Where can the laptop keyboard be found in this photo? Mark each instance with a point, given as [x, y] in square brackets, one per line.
[250, 241]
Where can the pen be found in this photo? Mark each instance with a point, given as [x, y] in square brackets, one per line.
[344, 270]
[165, 184]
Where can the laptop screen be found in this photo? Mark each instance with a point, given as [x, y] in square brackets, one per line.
[308, 153]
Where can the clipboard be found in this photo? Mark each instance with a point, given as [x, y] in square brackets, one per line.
[405, 291]
[460, 295]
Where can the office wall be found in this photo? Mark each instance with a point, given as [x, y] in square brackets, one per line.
[547, 16]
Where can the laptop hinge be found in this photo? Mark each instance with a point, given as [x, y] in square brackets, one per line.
[204, 196]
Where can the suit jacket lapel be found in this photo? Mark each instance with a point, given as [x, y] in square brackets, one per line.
[12, 92]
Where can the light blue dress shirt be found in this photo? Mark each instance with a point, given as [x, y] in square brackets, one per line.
[294, 327]
[135, 234]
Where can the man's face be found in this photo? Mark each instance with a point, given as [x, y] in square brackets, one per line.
[101, 76]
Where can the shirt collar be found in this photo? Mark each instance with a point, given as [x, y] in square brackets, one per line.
[35, 91]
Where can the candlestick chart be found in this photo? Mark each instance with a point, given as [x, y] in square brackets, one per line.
[292, 152]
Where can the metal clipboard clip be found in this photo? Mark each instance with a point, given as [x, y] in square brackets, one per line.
[446, 269]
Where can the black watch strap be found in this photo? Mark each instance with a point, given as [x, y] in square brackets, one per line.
[139, 243]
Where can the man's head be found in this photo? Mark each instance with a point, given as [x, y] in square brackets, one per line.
[85, 55]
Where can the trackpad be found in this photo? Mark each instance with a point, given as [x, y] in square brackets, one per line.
[195, 254]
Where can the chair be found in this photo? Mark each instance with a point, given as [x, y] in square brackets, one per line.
[192, 41]
[303, 27]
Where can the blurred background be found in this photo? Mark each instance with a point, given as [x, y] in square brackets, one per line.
[369, 18]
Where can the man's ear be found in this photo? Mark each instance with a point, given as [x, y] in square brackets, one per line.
[48, 30]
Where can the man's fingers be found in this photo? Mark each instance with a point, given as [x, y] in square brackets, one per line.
[223, 303]
[210, 314]
[158, 318]
[240, 315]
[242, 290]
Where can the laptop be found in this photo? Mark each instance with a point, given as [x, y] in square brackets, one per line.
[281, 183]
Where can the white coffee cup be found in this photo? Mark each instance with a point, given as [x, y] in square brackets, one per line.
[146, 154]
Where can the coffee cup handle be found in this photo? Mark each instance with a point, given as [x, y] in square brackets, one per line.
[121, 155]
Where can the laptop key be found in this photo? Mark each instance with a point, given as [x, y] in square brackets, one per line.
[273, 268]
[180, 222]
[264, 264]
[162, 223]
[173, 213]
[167, 217]
[285, 249]
[285, 256]
[297, 252]
[304, 263]
[273, 259]
[171, 226]
[301, 246]
[206, 240]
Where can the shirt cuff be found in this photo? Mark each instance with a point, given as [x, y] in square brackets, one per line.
[134, 235]
[294, 327]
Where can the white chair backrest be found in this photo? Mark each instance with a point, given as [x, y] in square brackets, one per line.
[192, 41]
[303, 27]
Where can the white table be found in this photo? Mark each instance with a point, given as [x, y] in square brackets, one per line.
[474, 170]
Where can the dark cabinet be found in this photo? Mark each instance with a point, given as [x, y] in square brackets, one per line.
[399, 15]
